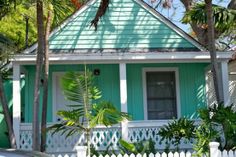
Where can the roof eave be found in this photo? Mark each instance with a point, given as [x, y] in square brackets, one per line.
[124, 57]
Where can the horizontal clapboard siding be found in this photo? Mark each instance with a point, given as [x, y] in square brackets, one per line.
[125, 25]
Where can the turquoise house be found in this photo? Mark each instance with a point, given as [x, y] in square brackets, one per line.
[143, 63]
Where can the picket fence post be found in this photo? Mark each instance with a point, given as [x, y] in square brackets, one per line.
[214, 151]
[125, 130]
[81, 151]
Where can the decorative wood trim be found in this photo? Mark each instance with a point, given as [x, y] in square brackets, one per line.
[157, 69]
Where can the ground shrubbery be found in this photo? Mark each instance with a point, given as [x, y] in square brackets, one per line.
[217, 123]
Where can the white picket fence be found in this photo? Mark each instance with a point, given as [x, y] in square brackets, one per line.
[214, 152]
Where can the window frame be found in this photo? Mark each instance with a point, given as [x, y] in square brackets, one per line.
[161, 69]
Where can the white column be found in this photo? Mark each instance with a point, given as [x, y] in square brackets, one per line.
[225, 82]
[123, 88]
[214, 151]
[16, 102]
[123, 100]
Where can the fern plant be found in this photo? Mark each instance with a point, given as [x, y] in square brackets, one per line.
[87, 112]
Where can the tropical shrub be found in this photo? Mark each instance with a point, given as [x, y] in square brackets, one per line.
[218, 123]
[176, 131]
[144, 146]
[223, 120]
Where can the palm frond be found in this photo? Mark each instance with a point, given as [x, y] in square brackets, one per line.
[106, 114]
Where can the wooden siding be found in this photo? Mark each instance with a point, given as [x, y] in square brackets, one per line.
[191, 76]
[125, 25]
[107, 82]
[191, 82]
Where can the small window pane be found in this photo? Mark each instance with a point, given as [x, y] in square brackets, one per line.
[161, 95]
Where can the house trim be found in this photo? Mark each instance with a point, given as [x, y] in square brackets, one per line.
[123, 87]
[124, 57]
[16, 109]
[157, 69]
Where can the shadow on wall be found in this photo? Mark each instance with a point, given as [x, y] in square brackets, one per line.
[126, 25]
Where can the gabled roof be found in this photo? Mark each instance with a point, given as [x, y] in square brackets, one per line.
[128, 25]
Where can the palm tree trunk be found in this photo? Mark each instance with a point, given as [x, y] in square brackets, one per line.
[39, 61]
[212, 49]
[7, 115]
[45, 82]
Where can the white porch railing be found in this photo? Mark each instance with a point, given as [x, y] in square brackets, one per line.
[101, 136]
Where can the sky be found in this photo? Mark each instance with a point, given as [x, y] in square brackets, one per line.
[176, 13]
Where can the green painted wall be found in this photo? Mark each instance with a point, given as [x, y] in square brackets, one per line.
[191, 76]
[126, 24]
[107, 82]
[192, 87]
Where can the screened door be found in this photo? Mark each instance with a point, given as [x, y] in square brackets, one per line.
[161, 95]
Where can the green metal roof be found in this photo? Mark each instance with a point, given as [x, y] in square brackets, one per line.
[127, 24]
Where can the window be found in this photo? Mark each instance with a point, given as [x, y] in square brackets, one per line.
[160, 94]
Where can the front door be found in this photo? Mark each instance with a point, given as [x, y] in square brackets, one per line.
[59, 101]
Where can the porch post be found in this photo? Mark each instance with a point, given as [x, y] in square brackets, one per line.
[16, 103]
[123, 99]
[225, 82]
[123, 87]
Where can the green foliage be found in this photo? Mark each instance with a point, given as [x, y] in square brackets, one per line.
[177, 130]
[204, 134]
[13, 25]
[224, 18]
[106, 114]
[223, 120]
[137, 147]
[13, 19]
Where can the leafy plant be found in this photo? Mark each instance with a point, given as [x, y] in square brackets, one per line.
[85, 114]
[137, 147]
[177, 130]
[223, 120]
[203, 136]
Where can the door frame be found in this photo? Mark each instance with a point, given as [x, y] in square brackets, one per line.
[161, 69]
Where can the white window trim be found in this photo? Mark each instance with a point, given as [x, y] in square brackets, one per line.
[159, 69]
[54, 92]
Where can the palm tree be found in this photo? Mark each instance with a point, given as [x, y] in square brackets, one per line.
[212, 49]
[85, 114]
[38, 73]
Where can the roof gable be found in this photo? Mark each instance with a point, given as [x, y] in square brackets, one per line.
[127, 24]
